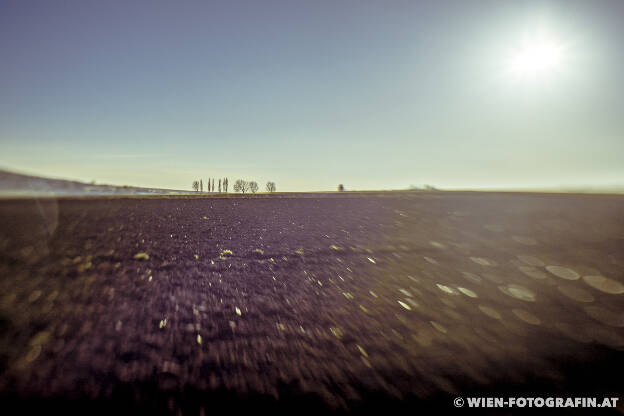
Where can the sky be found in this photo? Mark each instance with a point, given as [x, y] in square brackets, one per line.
[309, 94]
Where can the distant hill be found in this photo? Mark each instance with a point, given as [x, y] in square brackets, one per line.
[16, 184]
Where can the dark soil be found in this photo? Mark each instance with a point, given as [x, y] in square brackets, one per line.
[397, 301]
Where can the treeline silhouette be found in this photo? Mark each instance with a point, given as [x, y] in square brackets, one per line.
[240, 185]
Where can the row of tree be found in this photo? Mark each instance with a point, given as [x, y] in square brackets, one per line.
[198, 186]
[239, 186]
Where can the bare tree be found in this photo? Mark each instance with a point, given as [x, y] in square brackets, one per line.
[196, 186]
[241, 186]
[219, 185]
[201, 185]
[253, 186]
[226, 183]
[270, 186]
[340, 188]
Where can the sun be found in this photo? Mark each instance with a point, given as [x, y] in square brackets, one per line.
[537, 56]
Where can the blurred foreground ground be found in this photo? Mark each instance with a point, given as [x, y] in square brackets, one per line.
[359, 302]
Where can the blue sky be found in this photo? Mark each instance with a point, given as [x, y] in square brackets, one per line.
[309, 94]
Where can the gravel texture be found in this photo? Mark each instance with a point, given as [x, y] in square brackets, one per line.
[317, 302]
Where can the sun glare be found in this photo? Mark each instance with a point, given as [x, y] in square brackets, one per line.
[536, 57]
